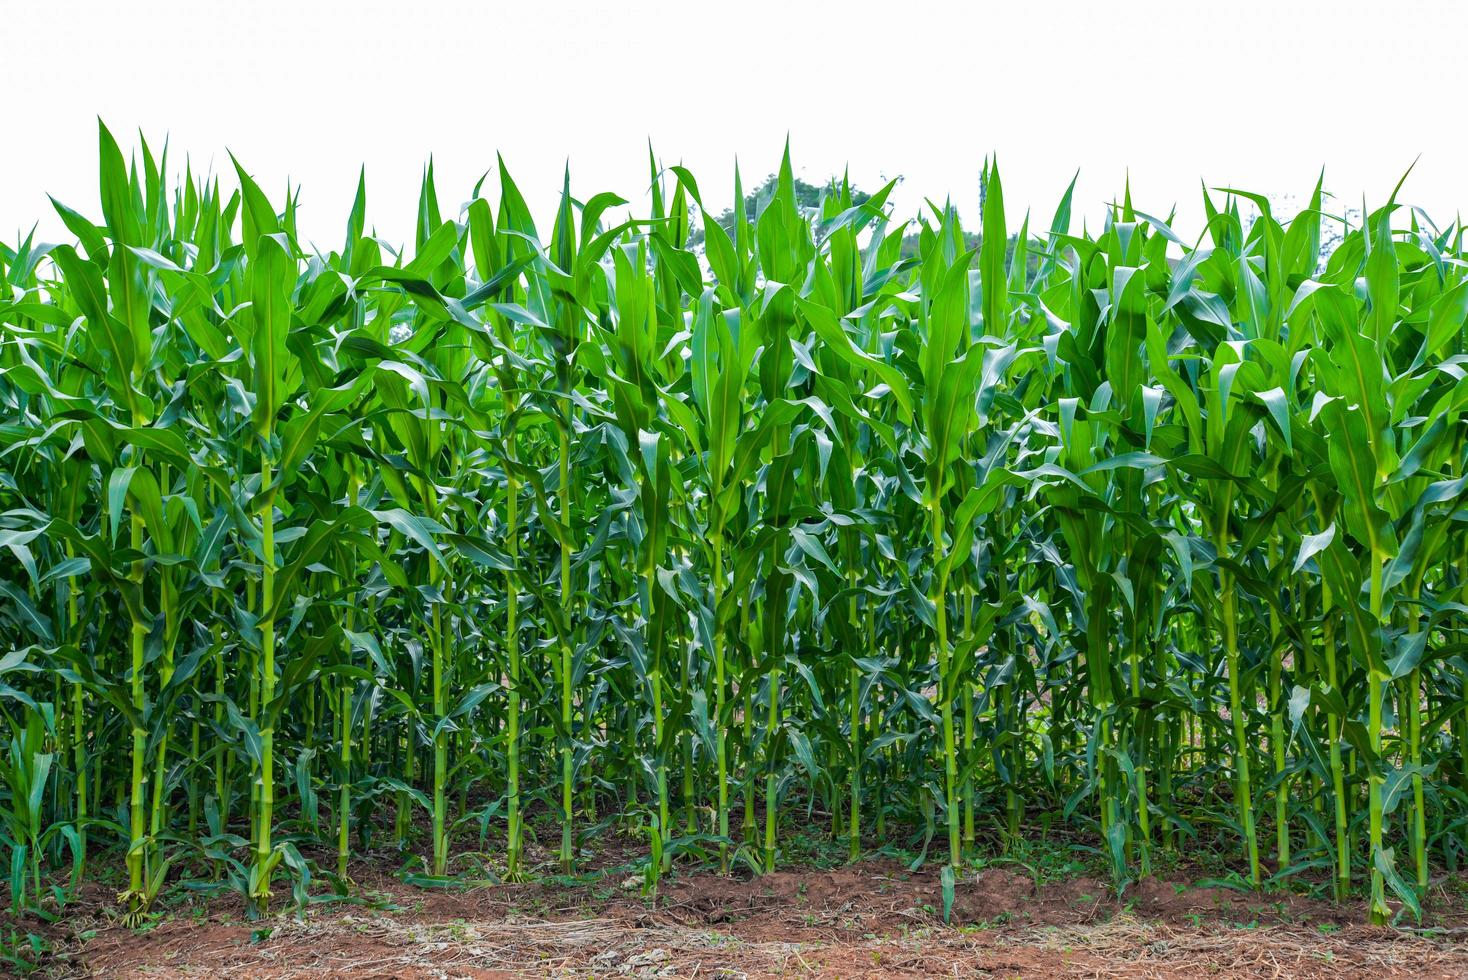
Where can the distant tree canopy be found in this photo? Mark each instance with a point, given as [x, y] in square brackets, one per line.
[808, 197]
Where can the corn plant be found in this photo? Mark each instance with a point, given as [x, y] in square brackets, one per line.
[878, 529]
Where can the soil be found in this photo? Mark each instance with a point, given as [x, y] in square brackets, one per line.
[872, 919]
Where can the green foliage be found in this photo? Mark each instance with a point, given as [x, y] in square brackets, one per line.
[891, 531]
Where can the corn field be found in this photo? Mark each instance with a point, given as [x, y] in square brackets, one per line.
[908, 535]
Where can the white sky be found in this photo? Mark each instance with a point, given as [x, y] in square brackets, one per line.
[1247, 93]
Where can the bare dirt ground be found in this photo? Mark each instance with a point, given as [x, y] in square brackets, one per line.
[873, 919]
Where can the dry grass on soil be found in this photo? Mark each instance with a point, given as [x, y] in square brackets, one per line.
[874, 919]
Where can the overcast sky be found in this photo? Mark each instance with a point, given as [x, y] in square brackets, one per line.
[1252, 94]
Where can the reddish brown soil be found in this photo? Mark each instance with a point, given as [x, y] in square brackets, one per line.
[874, 919]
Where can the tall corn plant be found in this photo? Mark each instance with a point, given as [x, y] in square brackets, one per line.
[800, 508]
